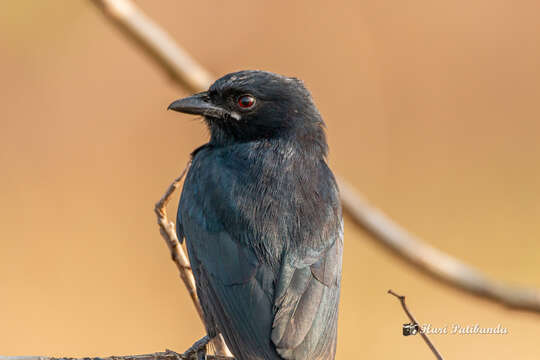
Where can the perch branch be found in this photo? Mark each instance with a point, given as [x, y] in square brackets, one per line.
[167, 355]
[413, 320]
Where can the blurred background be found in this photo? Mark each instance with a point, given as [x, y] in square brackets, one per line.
[432, 110]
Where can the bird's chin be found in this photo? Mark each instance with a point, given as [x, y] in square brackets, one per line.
[212, 119]
[213, 123]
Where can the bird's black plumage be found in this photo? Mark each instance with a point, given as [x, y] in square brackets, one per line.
[261, 216]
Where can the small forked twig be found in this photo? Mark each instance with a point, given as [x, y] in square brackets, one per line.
[167, 229]
[413, 320]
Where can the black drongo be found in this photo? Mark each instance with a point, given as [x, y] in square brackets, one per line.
[261, 216]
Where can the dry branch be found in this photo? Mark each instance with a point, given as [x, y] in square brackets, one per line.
[167, 355]
[168, 232]
[156, 42]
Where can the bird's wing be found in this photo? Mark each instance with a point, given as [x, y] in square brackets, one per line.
[235, 289]
[306, 299]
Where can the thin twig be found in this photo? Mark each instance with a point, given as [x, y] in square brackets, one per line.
[413, 320]
[168, 232]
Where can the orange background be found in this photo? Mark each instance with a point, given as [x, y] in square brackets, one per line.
[432, 110]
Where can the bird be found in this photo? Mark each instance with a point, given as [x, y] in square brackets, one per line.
[262, 220]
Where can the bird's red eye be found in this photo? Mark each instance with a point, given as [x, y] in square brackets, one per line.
[246, 101]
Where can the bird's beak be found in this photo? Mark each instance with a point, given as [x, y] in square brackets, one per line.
[198, 104]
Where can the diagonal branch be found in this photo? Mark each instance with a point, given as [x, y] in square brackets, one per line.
[156, 42]
[189, 74]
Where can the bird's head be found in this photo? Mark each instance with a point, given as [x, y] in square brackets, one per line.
[252, 105]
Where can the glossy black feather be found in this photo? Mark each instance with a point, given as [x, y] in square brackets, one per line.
[261, 216]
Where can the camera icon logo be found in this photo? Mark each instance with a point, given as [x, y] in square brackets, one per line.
[410, 329]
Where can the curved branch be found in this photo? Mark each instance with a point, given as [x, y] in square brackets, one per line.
[175, 61]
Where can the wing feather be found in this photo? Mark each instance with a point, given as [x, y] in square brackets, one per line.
[307, 295]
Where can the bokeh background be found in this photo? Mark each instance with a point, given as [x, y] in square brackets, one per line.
[432, 110]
